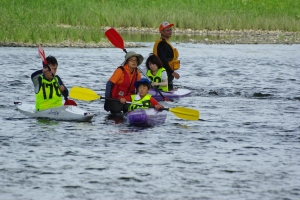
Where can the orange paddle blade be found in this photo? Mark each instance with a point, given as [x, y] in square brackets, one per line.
[115, 38]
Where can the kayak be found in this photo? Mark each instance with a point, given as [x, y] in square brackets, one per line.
[61, 113]
[145, 117]
[177, 93]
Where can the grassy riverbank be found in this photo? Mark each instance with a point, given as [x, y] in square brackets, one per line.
[55, 21]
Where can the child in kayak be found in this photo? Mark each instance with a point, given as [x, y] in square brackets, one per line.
[48, 86]
[142, 99]
[157, 73]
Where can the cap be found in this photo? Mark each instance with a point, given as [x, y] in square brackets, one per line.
[164, 25]
[142, 80]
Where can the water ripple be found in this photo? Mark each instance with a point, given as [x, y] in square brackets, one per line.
[246, 145]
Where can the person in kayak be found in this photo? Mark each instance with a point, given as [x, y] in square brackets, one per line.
[167, 53]
[48, 87]
[157, 73]
[142, 99]
[121, 83]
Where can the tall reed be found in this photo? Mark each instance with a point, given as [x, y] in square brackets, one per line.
[60, 20]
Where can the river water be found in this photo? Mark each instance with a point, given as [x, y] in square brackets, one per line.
[246, 145]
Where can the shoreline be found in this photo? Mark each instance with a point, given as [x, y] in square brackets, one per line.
[224, 37]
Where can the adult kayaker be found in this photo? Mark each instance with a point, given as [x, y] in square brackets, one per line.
[157, 73]
[142, 99]
[121, 83]
[48, 87]
[167, 53]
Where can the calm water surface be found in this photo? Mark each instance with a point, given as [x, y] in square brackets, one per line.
[247, 145]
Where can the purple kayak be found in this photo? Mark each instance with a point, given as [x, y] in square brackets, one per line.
[177, 93]
[145, 117]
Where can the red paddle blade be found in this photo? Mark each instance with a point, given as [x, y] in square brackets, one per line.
[115, 38]
[70, 102]
[42, 54]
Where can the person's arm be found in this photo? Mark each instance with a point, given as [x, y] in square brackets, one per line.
[116, 76]
[62, 87]
[36, 81]
[154, 103]
[164, 82]
[109, 86]
[164, 78]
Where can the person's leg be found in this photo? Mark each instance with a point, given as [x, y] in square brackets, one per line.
[113, 106]
[170, 82]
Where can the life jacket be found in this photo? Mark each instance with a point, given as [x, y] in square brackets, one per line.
[174, 63]
[49, 95]
[139, 103]
[158, 78]
[126, 87]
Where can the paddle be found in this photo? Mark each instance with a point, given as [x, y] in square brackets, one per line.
[116, 39]
[86, 94]
[42, 55]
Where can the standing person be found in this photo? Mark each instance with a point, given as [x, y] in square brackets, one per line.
[142, 99]
[157, 73]
[167, 53]
[121, 83]
[48, 86]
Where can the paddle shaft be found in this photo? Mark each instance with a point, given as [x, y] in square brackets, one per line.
[128, 102]
[42, 55]
[64, 94]
[181, 112]
[87, 94]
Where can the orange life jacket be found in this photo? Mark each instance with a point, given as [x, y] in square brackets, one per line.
[174, 63]
[126, 87]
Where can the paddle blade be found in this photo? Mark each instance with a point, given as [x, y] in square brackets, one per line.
[185, 113]
[83, 94]
[70, 102]
[42, 54]
[115, 38]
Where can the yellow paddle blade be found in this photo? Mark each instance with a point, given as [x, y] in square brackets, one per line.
[83, 94]
[185, 113]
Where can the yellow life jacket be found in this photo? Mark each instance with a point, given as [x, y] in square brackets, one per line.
[174, 63]
[49, 95]
[141, 103]
[158, 78]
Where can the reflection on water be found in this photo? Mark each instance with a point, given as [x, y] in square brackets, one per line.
[146, 37]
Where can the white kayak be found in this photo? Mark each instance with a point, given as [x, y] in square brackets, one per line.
[62, 113]
[177, 93]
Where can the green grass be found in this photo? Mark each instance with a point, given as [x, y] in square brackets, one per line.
[40, 21]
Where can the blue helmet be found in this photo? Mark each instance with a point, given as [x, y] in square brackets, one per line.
[144, 81]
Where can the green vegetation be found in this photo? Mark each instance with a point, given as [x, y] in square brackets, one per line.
[40, 21]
